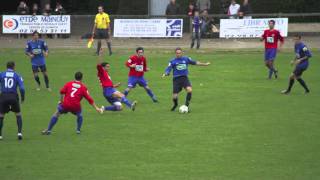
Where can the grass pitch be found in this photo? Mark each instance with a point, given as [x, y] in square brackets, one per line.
[240, 126]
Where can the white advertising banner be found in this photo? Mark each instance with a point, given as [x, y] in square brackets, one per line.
[26, 24]
[250, 28]
[148, 28]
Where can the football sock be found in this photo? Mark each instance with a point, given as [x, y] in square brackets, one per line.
[126, 102]
[37, 80]
[150, 93]
[188, 98]
[175, 104]
[109, 47]
[291, 82]
[19, 123]
[46, 80]
[53, 121]
[79, 121]
[1, 125]
[270, 73]
[303, 84]
[111, 108]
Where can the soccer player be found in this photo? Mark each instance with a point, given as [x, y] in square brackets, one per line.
[101, 29]
[271, 37]
[112, 95]
[71, 96]
[196, 24]
[138, 65]
[37, 50]
[9, 98]
[301, 63]
[179, 64]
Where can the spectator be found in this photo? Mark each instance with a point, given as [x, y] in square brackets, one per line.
[203, 5]
[35, 9]
[245, 10]
[207, 26]
[233, 9]
[22, 9]
[59, 9]
[47, 11]
[196, 25]
[173, 8]
[191, 9]
[224, 6]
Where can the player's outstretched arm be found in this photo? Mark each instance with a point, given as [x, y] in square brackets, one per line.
[202, 64]
[96, 108]
[167, 71]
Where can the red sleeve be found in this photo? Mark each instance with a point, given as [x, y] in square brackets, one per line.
[63, 90]
[87, 95]
[99, 68]
[129, 62]
[145, 65]
[264, 35]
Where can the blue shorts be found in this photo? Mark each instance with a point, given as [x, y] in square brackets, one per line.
[108, 92]
[133, 81]
[35, 68]
[300, 68]
[270, 54]
[62, 110]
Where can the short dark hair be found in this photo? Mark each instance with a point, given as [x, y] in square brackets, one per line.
[101, 6]
[273, 21]
[10, 64]
[104, 64]
[35, 32]
[178, 48]
[78, 76]
[139, 48]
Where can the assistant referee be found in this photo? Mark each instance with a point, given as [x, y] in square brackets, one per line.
[101, 29]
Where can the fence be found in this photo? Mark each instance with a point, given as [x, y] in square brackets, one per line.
[81, 24]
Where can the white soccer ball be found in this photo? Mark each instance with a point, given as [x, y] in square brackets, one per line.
[183, 109]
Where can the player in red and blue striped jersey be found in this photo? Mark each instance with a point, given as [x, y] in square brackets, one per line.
[271, 37]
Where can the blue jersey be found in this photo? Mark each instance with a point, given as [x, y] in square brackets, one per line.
[302, 51]
[180, 66]
[9, 81]
[196, 24]
[36, 48]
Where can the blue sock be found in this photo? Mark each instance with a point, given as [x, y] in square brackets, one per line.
[53, 121]
[79, 121]
[126, 102]
[126, 92]
[19, 123]
[111, 108]
[150, 93]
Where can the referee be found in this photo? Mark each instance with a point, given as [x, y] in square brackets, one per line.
[101, 29]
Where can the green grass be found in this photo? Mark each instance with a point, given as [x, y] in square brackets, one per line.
[240, 126]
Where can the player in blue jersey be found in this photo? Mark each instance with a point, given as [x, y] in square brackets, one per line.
[301, 63]
[179, 65]
[9, 98]
[37, 50]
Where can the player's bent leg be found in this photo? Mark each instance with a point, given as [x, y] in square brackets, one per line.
[291, 82]
[19, 124]
[52, 122]
[124, 100]
[79, 122]
[150, 93]
[189, 95]
[175, 101]
[37, 79]
[46, 79]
